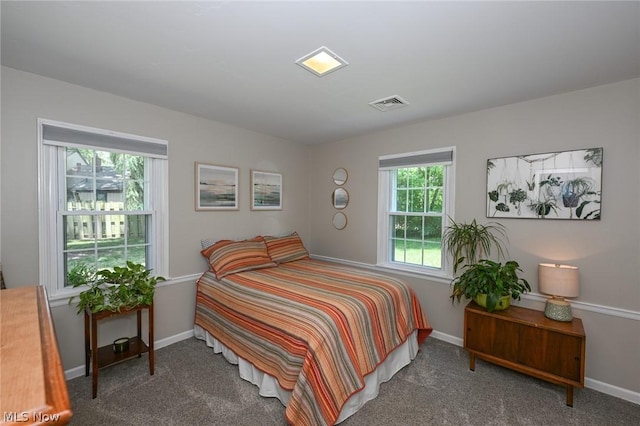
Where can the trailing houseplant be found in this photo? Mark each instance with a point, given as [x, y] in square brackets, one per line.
[113, 290]
[490, 284]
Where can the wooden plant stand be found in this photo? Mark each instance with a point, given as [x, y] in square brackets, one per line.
[105, 356]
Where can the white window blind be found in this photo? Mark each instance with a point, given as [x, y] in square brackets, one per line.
[85, 137]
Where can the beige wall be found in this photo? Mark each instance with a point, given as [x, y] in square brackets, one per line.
[607, 251]
[25, 97]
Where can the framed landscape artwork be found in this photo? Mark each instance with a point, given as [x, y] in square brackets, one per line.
[216, 187]
[554, 185]
[266, 190]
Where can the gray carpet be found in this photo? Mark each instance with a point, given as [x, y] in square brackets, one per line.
[194, 386]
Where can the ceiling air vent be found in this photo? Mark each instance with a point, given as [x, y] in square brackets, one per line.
[391, 102]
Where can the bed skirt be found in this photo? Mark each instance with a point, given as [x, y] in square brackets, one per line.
[268, 385]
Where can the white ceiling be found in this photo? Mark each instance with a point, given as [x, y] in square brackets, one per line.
[233, 61]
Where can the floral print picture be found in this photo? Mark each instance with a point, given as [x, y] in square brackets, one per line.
[554, 185]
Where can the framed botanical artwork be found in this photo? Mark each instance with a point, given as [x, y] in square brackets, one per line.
[553, 185]
[216, 187]
[266, 190]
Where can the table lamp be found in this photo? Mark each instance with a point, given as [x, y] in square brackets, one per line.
[559, 281]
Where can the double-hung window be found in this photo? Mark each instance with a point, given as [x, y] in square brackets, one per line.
[415, 199]
[102, 202]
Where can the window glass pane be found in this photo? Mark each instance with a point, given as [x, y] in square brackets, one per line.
[75, 262]
[109, 194]
[110, 230]
[112, 246]
[433, 228]
[110, 257]
[398, 252]
[414, 227]
[79, 232]
[416, 177]
[398, 226]
[109, 182]
[413, 253]
[416, 200]
[138, 254]
[435, 176]
[133, 166]
[137, 229]
[434, 200]
[401, 178]
[79, 162]
[432, 253]
[79, 179]
[401, 200]
[433, 241]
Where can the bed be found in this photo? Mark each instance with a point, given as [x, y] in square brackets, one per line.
[318, 335]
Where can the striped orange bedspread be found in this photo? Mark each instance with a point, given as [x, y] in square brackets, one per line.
[315, 326]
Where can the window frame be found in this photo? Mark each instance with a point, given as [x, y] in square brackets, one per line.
[386, 187]
[51, 195]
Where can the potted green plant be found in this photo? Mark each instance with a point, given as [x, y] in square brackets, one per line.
[113, 290]
[469, 242]
[490, 284]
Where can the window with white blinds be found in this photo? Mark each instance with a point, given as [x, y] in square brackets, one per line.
[103, 201]
[415, 198]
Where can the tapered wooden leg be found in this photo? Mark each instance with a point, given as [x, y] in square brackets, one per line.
[87, 344]
[570, 395]
[472, 362]
[139, 324]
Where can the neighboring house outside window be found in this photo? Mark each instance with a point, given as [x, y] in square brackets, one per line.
[415, 200]
[103, 202]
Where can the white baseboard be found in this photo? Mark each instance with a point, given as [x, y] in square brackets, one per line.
[158, 344]
[447, 338]
[74, 372]
[173, 339]
[612, 390]
[618, 392]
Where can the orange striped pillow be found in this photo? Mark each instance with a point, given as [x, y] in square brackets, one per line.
[286, 249]
[229, 257]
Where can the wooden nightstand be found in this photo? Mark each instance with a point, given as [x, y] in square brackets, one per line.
[526, 341]
[105, 355]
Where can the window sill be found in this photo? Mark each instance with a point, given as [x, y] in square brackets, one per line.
[61, 297]
[416, 272]
[391, 268]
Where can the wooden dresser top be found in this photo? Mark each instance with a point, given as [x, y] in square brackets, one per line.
[32, 382]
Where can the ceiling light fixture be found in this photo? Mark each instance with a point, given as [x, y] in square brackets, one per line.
[321, 62]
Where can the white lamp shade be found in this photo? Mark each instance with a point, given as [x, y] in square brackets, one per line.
[558, 280]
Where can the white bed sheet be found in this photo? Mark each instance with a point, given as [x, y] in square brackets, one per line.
[268, 385]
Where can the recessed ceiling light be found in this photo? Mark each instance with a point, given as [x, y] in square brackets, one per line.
[321, 62]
